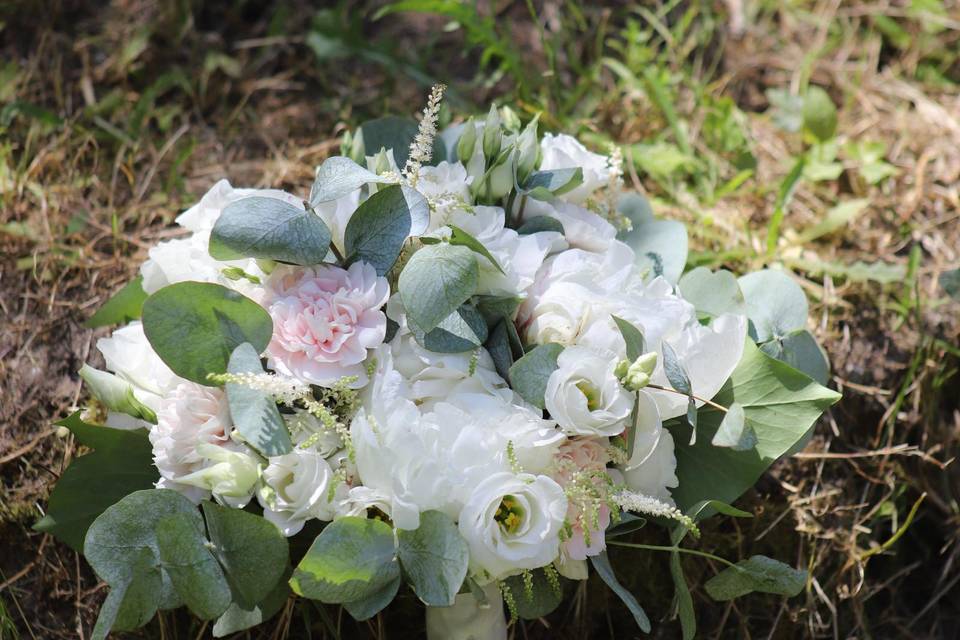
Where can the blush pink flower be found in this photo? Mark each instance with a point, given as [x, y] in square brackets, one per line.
[324, 320]
[575, 461]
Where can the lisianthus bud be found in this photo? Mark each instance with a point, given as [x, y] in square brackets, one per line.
[636, 375]
[352, 146]
[511, 121]
[381, 162]
[500, 177]
[528, 148]
[492, 135]
[468, 141]
[233, 473]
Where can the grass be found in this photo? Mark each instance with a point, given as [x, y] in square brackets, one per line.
[113, 118]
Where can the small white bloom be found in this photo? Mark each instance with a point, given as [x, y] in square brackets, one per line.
[566, 152]
[512, 522]
[584, 395]
[296, 488]
[229, 475]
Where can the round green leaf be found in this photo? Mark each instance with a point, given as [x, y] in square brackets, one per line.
[800, 350]
[195, 326]
[463, 330]
[757, 573]
[713, 293]
[529, 374]
[194, 572]
[660, 245]
[435, 281]
[776, 305]
[378, 228]
[252, 551]
[337, 177]
[352, 559]
[269, 228]
[434, 557]
[538, 601]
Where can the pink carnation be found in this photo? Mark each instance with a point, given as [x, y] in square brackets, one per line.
[324, 320]
[583, 454]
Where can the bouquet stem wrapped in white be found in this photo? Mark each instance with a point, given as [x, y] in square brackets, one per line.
[463, 365]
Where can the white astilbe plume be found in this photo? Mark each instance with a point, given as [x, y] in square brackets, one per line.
[283, 389]
[421, 148]
[648, 505]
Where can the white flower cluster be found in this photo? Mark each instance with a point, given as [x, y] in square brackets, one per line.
[380, 424]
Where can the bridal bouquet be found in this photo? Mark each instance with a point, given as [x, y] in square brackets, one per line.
[464, 364]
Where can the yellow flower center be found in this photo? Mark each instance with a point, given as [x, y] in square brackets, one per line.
[591, 393]
[509, 514]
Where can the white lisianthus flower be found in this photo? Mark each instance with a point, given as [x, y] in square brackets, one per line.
[296, 488]
[336, 214]
[656, 472]
[128, 353]
[566, 152]
[584, 395]
[324, 320]
[512, 522]
[582, 228]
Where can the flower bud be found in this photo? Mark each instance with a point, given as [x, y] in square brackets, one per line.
[232, 474]
[381, 163]
[636, 376]
[511, 121]
[352, 146]
[492, 134]
[468, 141]
[500, 177]
[528, 148]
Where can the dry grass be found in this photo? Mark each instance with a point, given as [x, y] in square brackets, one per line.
[92, 181]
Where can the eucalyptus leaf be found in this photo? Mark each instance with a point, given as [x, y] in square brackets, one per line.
[498, 346]
[493, 308]
[123, 307]
[688, 617]
[780, 404]
[252, 551]
[436, 281]
[536, 224]
[757, 573]
[380, 225]
[539, 601]
[194, 572]
[116, 393]
[237, 618]
[434, 558]
[121, 463]
[800, 350]
[660, 245]
[776, 305]
[351, 560]
[462, 238]
[712, 293]
[269, 228]
[633, 338]
[734, 432]
[339, 176]
[674, 369]
[366, 608]
[254, 412]
[529, 374]
[546, 185]
[601, 563]
[195, 326]
[463, 330]
[395, 133]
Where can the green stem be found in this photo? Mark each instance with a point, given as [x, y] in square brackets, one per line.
[703, 400]
[654, 547]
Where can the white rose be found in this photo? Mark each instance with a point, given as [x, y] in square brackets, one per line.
[566, 152]
[584, 395]
[512, 522]
[296, 488]
[184, 259]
